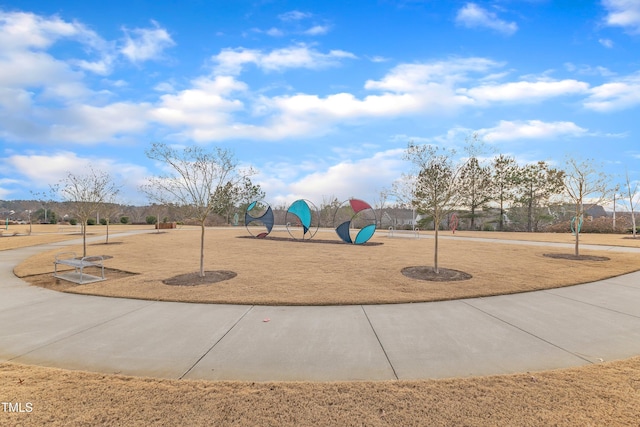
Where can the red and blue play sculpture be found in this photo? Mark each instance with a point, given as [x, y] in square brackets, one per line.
[356, 218]
[362, 218]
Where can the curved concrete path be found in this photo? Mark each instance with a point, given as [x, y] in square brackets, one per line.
[541, 330]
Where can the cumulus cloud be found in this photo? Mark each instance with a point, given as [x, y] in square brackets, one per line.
[232, 61]
[202, 112]
[21, 30]
[317, 30]
[39, 171]
[436, 87]
[144, 44]
[87, 124]
[473, 16]
[362, 178]
[45, 99]
[608, 43]
[616, 95]
[530, 129]
[407, 77]
[524, 91]
[294, 15]
[623, 13]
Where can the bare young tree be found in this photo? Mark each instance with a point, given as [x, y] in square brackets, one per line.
[435, 190]
[632, 192]
[109, 208]
[86, 193]
[195, 181]
[585, 187]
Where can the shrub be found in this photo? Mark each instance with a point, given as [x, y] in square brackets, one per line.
[124, 220]
[103, 221]
[151, 219]
[488, 227]
[73, 221]
[91, 221]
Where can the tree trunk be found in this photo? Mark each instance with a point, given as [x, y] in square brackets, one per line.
[633, 223]
[84, 238]
[202, 249]
[577, 251]
[435, 252]
[577, 230]
[107, 240]
[473, 217]
[501, 213]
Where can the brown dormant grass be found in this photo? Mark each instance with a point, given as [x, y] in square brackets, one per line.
[606, 394]
[603, 394]
[296, 273]
[587, 239]
[52, 233]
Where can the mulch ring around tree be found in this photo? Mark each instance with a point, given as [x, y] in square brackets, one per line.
[577, 258]
[421, 272]
[194, 279]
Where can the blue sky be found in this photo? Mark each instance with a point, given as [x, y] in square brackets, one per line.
[320, 97]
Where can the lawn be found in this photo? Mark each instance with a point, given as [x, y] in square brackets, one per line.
[307, 273]
[322, 273]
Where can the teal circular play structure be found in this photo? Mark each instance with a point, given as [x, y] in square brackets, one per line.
[302, 220]
[578, 221]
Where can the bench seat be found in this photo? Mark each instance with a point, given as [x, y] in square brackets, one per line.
[78, 275]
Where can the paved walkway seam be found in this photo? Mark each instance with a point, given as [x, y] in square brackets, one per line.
[550, 292]
[395, 374]
[527, 332]
[82, 330]
[216, 343]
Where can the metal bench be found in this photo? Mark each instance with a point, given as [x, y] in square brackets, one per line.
[78, 275]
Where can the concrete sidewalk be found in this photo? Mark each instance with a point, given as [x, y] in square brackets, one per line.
[514, 333]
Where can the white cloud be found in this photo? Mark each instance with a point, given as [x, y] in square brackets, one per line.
[408, 77]
[274, 32]
[203, 113]
[530, 129]
[616, 95]
[26, 33]
[231, 61]
[378, 58]
[437, 88]
[608, 43]
[589, 70]
[474, 16]
[143, 44]
[623, 13]
[525, 91]
[362, 178]
[294, 15]
[20, 30]
[87, 124]
[39, 171]
[317, 30]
